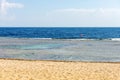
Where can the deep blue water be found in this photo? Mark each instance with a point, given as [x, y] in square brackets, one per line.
[61, 33]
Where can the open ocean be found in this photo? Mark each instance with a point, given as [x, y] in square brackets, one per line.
[61, 33]
[69, 44]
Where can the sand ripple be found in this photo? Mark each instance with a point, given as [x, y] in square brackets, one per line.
[49, 70]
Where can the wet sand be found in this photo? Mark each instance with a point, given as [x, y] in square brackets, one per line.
[57, 70]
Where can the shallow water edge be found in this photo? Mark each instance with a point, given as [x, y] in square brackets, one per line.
[60, 50]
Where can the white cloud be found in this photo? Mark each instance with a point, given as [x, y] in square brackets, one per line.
[4, 5]
[99, 10]
[85, 17]
[75, 10]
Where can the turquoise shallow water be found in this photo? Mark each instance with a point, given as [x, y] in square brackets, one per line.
[68, 50]
[34, 47]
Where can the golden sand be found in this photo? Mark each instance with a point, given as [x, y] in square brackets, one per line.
[51, 70]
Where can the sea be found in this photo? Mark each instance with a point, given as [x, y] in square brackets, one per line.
[61, 32]
[96, 44]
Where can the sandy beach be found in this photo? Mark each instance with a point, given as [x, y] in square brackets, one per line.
[57, 70]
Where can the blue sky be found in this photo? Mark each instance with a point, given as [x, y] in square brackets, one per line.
[62, 13]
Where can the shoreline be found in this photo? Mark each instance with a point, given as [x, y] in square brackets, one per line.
[58, 61]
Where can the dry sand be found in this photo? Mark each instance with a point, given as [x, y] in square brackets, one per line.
[55, 70]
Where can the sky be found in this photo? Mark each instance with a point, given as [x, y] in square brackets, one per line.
[59, 13]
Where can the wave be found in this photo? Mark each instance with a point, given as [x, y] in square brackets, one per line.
[82, 39]
[24, 38]
[115, 39]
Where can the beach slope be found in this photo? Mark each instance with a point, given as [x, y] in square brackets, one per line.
[57, 70]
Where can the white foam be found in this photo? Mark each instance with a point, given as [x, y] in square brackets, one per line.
[82, 39]
[24, 38]
[42, 38]
[115, 39]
